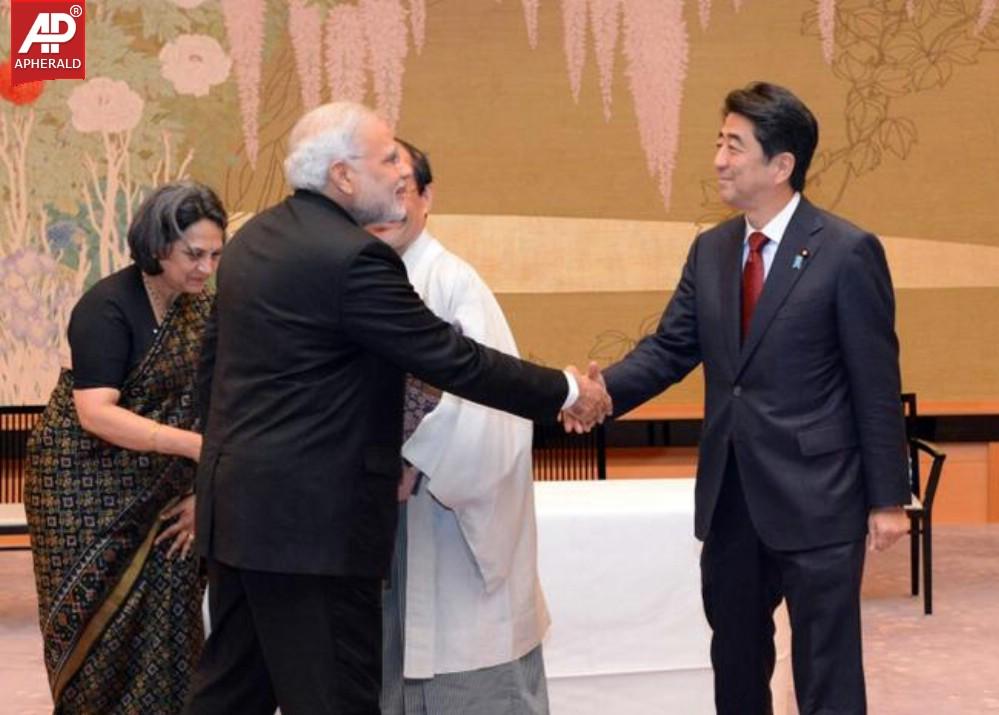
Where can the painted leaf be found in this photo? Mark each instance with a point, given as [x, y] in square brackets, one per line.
[933, 74]
[963, 50]
[610, 346]
[926, 10]
[864, 157]
[866, 23]
[810, 23]
[893, 80]
[649, 324]
[864, 111]
[897, 135]
[850, 68]
[905, 47]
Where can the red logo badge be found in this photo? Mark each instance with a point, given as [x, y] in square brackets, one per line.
[48, 40]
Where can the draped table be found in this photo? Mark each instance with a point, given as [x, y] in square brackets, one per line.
[620, 568]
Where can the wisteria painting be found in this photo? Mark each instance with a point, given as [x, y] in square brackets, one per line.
[179, 83]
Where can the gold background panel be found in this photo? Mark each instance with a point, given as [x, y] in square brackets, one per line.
[948, 337]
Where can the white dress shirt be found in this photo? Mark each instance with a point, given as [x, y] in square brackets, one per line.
[774, 230]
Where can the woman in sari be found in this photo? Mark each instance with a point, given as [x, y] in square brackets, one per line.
[111, 467]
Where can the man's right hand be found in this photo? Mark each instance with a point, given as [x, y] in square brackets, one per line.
[593, 403]
[407, 481]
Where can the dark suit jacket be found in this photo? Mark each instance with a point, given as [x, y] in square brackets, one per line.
[810, 402]
[302, 379]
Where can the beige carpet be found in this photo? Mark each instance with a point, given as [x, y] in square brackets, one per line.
[944, 664]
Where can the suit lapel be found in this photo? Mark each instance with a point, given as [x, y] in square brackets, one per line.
[802, 238]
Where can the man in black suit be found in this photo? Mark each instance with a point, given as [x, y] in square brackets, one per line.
[314, 329]
[803, 446]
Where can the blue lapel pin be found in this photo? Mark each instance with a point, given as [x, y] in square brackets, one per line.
[799, 260]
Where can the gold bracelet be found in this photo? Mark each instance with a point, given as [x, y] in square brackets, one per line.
[152, 437]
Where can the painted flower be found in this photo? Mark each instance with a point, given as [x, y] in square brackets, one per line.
[42, 333]
[60, 234]
[194, 64]
[24, 93]
[29, 263]
[104, 105]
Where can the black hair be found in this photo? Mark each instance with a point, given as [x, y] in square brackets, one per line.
[422, 174]
[781, 123]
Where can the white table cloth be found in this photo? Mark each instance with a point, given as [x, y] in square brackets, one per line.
[619, 566]
[12, 518]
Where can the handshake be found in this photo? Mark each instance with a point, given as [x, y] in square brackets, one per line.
[593, 403]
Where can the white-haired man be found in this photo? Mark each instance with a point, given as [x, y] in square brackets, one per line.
[302, 377]
[464, 612]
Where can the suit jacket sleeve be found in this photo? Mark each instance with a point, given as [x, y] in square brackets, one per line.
[665, 357]
[382, 313]
[866, 324]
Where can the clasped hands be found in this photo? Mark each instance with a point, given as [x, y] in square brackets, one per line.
[593, 404]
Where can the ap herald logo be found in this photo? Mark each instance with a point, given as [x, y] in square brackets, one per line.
[47, 40]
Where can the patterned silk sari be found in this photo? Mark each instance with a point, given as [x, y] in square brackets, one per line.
[121, 623]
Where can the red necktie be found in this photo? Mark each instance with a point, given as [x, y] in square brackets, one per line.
[752, 279]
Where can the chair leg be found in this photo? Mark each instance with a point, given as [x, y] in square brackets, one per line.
[927, 565]
[914, 554]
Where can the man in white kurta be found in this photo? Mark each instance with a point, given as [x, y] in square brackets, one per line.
[464, 613]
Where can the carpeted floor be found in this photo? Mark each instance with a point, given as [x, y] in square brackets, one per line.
[944, 664]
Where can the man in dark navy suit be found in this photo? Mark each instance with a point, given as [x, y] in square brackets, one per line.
[791, 312]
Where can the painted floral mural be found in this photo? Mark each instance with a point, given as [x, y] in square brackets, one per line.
[212, 87]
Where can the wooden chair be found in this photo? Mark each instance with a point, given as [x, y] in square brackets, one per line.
[920, 509]
[559, 456]
[16, 423]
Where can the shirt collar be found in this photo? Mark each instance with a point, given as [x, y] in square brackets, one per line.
[416, 250]
[775, 228]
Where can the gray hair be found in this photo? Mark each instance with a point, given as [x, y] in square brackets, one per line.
[164, 216]
[320, 138]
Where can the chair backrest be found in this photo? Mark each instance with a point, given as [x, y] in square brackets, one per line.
[910, 413]
[16, 423]
[559, 456]
[936, 467]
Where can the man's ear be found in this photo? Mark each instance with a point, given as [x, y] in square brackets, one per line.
[784, 164]
[428, 198]
[339, 177]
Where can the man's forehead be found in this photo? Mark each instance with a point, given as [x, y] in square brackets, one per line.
[373, 132]
[735, 126]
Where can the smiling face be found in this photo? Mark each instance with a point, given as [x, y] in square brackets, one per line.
[193, 258]
[747, 179]
[401, 234]
[374, 182]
